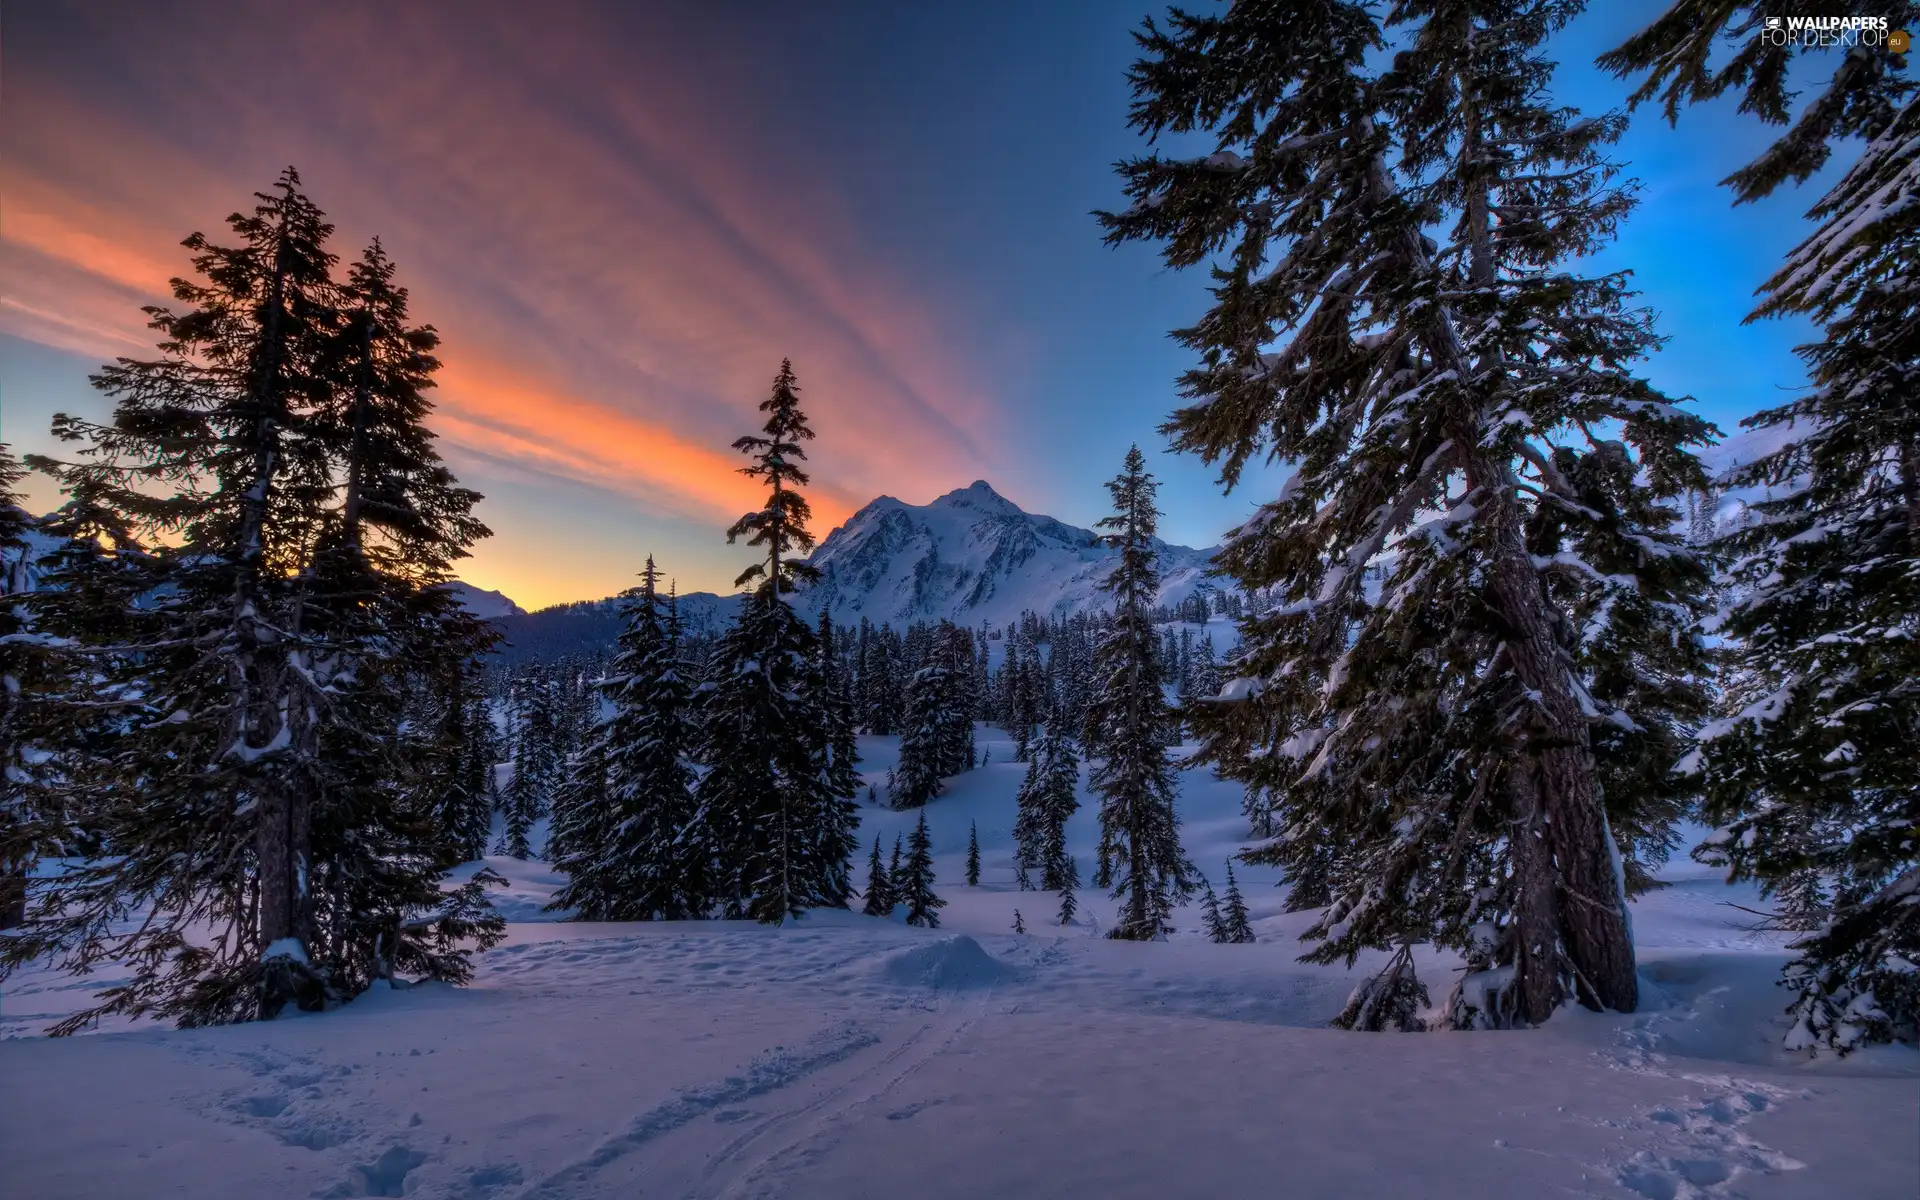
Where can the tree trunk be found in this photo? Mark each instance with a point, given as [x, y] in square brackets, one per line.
[1536, 988]
[1591, 909]
[1591, 904]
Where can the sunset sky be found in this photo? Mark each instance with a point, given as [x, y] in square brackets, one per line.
[622, 216]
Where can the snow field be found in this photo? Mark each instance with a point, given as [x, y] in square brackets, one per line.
[846, 1056]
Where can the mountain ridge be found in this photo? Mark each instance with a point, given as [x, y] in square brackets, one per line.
[970, 556]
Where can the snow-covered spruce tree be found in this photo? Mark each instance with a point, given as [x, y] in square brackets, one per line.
[957, 752]
[1048, 797]
[880, 898]
[1204, 682]
[924, 735]
[255, 795]
[973, 853]
[843, 750]
[580, 832]
[1234, 915]
[913, 884]
[1393, 319]
[467, 816]
[1022, 677]
[1210, 919]
[537, 765]
[1056, 800]
[64, 701]
[783, 833]
[646, 858]
[1140, 854]
[1068, 876]
[440, 726]
[380, 625]
[880, 683]
[1811, 774]
[212, 823]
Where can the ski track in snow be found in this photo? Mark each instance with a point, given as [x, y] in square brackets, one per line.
[770, 1073]
[777, 1147]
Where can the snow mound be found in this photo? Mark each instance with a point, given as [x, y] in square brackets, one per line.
[951, 964]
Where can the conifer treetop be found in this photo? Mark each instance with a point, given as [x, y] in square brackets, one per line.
[780, 526]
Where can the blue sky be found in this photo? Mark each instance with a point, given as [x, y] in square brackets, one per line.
[622, 217]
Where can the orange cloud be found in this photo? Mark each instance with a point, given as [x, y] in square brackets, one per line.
[616, 279]
[117, 260]
[487, 410]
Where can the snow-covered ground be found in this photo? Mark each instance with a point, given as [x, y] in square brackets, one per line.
[850, 1057]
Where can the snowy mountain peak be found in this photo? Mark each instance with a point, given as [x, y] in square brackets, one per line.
[979, 496]
[485, 604]
[971, 556]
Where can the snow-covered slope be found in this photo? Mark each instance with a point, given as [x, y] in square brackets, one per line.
[485, 604]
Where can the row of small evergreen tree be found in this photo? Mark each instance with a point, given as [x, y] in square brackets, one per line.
[909, 880]
[731, 796]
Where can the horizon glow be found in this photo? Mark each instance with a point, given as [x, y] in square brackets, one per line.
[621, 220]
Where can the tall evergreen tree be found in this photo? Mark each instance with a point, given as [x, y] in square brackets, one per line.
[1056, 801]
[259, 794]
[784, 832]
[880, 683]
[473, 794]
[1140, 854]
[226, 403]
[1393, 314]
[647, 860]
[450, 776]
[385, 628]
[973, 854]
[1813, 772]
[913, 885]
